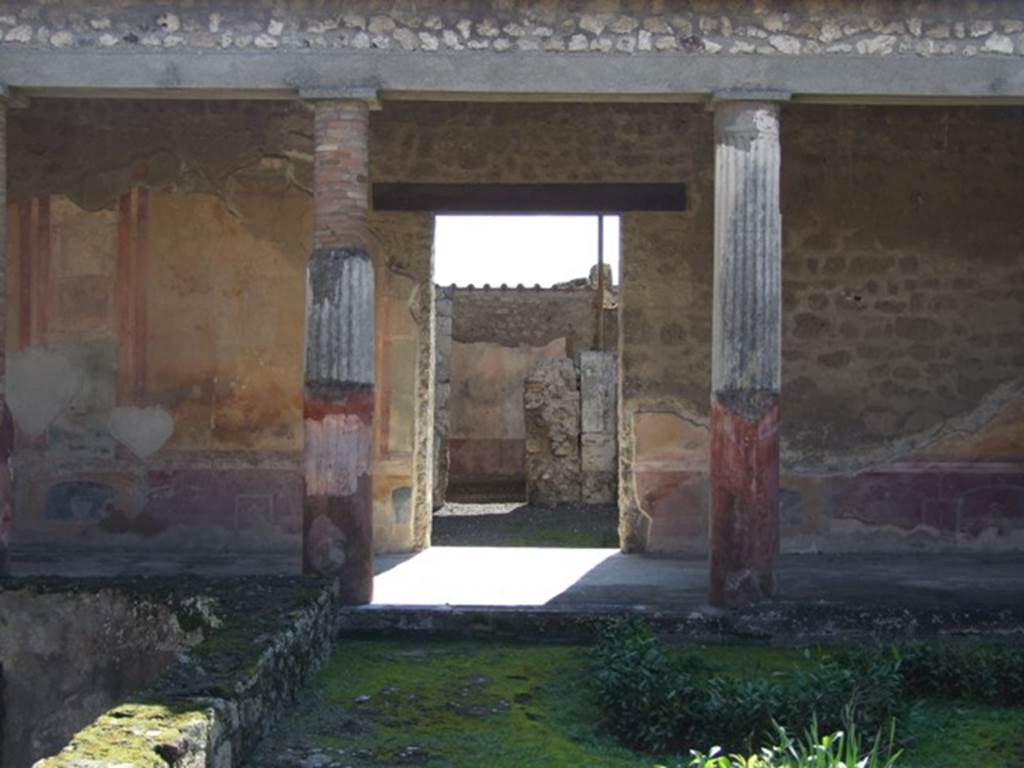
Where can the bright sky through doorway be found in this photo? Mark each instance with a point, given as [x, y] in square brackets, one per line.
[520, 249]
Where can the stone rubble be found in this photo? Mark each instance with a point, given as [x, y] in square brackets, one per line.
[942, 30]
[552, 410]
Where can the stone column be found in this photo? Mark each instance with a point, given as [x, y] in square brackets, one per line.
[339, 383]
[6, 424]
[746, 359]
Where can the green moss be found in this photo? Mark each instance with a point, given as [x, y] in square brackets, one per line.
[943, 734]
[128, 735]
[239, 619]
[470, 704]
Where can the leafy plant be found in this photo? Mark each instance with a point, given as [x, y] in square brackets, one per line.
[840, 749]
[655, 703]
[992, 675]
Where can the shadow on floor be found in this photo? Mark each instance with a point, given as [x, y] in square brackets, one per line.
[489, 525]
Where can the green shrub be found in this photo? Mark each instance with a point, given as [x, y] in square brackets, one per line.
[657, 703]
[991, 675]
[653, 703]
[642, 701]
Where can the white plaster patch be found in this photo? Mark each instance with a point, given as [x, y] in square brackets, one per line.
[143, 431]
[41, 383]
[338, 451]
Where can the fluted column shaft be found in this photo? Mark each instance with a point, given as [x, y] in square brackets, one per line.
[746, 361]
[339, 379]
[6, 424]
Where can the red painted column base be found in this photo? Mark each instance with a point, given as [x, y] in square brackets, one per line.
[337, 529]
[744, 529]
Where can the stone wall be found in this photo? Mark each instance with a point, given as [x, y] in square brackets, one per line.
[497, 336]
[530, 316]
[551, 402]
[571, 430]
[902, 416]
[895, 232]
[54, 681]
[262, 642]
[903, 409]
[774, 27]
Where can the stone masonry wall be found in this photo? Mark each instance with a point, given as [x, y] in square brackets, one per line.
[498, 335]
[214, 704]
[902, 415]
[529, 316]
[551, 401]
[772, 27]
[896, 235]
[67, 657]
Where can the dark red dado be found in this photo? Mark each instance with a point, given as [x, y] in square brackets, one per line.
[964, 498]
[744, 526]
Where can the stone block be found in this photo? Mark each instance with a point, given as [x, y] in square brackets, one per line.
[597, 452]
[599, 391]
[599, 487]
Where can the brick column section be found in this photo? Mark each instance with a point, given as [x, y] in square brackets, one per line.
[339, 387]
[746, 359]
[6, 423]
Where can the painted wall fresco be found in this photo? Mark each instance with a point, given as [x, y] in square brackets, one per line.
[155, 333]
[155, 267]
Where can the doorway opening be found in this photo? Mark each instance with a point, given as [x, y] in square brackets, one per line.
[526, 317]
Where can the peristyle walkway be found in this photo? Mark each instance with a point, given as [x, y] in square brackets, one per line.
[588, 579]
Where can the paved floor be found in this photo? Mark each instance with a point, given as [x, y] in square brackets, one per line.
[590, 578]
[37, 560]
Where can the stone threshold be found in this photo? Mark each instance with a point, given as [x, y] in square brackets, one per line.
[772, 623]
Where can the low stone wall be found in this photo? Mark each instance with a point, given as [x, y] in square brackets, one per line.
[67, 657]
[212, 707]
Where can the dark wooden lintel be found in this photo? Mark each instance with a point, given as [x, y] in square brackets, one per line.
[592, 198]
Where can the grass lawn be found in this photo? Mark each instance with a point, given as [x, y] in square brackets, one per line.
[498, 705]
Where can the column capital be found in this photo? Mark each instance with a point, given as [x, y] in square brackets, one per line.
[365, 93]
[732, 95]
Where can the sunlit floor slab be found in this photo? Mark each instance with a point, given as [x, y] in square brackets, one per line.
[495, 576]
[585, 579]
